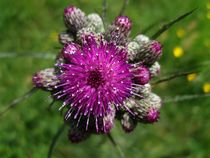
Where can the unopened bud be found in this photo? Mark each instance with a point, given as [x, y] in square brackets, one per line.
[119, 31]
[74, 18]
[141, 75]
[128, 124]
[146, 110]
[95, 21]
[65, 37]
[45, 79]
[154, 69]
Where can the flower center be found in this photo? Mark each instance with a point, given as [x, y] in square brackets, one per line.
[95, 78]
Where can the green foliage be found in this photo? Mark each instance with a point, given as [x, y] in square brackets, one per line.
[27, 130]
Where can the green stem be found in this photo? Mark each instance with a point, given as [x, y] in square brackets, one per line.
[54, 140]
[18, 100]
[116, 145]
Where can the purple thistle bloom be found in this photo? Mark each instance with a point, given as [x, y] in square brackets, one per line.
[102, 74]
[94, 77]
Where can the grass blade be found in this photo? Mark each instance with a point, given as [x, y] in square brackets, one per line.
[171, 23]
[43, 55]
[151, 26]
[180, 98]
[104, 10]
[173, 76]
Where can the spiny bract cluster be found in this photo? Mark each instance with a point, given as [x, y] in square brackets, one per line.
[101, 75]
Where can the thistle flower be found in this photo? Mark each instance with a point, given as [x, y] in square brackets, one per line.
[95, 76]
[102, 75]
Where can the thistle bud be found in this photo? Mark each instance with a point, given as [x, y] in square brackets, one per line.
[152, 115]
[144, 90]
[119, 31]
[86, 31]
[74, 18]
[128, 124]
[148, 53]
[95, 21]
[146, 110]
[65, 37]
[58, 61]
[124, 23]
[154, 69]
[141, 39]
[141, 75]
[132, 48]
[76, 135]
[69, 49]
[45, 79]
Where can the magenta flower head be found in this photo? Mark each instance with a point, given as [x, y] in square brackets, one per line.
[95, 76]
[102, 75]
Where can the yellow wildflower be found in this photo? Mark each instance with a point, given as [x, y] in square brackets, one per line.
[178, 52]
[191, 77]
[206, 88]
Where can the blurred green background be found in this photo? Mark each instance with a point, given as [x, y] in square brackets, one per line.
[184, 127]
